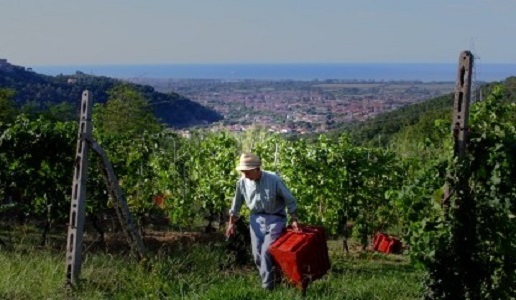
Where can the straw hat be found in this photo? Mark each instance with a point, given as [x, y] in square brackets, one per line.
[249, 161]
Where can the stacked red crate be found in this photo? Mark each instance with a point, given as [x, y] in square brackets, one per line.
[302, 256]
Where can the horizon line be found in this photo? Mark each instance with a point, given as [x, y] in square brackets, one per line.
[260, 63]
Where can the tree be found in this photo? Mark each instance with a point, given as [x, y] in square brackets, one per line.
[8, 111]
[126, 112]
[63, 111]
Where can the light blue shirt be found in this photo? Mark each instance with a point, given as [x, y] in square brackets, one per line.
[268, 195]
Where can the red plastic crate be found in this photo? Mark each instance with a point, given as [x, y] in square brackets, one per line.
[378, 238]
[385, 243]
[302, 256]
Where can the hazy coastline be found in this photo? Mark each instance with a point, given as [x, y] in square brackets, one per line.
[425, 72]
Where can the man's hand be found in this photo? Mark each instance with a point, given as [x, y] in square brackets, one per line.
[295, 226]
[230, 230]
[294, 222]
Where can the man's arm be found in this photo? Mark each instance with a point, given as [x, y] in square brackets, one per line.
[290, 203]
[234, 211]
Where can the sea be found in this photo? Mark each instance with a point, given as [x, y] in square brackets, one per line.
[424, 72]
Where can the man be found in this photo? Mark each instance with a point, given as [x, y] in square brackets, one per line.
[267, 197]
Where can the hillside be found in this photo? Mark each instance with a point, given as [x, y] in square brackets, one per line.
[380, 129]
[172, 109]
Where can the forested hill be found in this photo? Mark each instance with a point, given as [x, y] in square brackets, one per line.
[380, 130]
[41, 90]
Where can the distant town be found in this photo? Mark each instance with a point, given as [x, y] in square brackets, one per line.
[288, 106]
[298, 106]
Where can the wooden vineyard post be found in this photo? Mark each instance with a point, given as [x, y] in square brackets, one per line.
[78, 201]
[120, 204]
[461, 102]
[460, 115]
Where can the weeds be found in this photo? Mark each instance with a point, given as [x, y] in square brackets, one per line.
[193, 272]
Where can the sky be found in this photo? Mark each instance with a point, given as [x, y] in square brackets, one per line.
[98, 32]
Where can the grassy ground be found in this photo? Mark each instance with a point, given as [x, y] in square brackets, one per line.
[194, 267]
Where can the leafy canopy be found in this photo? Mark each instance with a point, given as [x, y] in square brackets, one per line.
[126, 112]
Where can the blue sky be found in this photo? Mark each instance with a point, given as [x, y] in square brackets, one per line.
[61, 32]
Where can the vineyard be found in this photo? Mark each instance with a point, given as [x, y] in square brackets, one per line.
[413, 188]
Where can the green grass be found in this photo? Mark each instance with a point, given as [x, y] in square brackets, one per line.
[198, 271]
